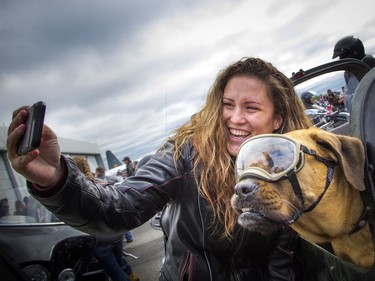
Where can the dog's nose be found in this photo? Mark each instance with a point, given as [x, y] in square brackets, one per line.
[244, 188]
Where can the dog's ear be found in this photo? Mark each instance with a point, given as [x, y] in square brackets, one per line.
[350, 154]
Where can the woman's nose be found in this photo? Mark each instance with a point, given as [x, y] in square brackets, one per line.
[238, 116]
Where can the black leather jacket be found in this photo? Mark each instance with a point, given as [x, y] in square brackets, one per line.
[194, 251]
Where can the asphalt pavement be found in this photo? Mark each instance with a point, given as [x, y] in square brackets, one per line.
[148, 248]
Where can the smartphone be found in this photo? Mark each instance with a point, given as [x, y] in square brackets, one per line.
[34, 126]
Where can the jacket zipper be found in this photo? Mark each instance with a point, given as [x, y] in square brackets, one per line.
[185, 267]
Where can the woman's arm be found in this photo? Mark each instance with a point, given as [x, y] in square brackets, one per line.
[89, 207]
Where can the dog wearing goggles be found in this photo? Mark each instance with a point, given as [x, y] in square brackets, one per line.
[311, 180]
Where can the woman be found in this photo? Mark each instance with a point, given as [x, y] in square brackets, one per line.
[192, 174]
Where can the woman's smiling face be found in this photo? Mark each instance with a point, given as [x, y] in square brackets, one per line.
[247, 111]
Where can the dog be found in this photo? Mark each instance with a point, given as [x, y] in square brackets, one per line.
[328, 207]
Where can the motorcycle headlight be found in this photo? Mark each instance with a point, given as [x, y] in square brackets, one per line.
[67, 275]
[36, 272]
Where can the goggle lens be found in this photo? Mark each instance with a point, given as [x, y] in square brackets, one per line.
[268, 157]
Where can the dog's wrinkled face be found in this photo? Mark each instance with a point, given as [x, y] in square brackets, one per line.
[264, 206]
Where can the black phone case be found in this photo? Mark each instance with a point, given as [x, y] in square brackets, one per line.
[34, 126]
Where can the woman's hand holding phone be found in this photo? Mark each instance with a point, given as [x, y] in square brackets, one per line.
[34, 125]
[40, 165]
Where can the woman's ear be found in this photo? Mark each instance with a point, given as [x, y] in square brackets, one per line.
[277, 122]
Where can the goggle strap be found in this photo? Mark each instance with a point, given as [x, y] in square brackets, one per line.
[295, 185]
[308, 151]
[328, 182]
[312, 152]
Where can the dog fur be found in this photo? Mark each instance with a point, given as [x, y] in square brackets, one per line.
[266, 206]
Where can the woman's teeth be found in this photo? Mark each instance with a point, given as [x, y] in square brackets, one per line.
[239, 133]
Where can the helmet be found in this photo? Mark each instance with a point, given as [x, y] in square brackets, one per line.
[306, 97]
[349, 47]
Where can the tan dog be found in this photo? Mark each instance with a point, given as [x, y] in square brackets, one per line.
[265, 206]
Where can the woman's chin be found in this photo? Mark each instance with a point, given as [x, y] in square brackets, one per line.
[233, 150]
[234, 146]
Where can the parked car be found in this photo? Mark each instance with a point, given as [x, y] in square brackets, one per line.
[34, 244]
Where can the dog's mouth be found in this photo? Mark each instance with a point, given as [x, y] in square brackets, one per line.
[258, 221]
[261, 208]
[251, 212]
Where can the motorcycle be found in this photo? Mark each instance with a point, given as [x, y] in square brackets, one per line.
[328, 118]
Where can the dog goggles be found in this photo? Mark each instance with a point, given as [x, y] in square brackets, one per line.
[272, 156]
[268, 157]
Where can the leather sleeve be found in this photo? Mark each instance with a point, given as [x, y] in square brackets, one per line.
[98, 210]
[282, 263]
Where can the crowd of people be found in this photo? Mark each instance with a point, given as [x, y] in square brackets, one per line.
[28, 208]
[191, 176]
[323, 103]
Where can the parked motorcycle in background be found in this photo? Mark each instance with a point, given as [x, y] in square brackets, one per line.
[323, 114]
[328, 118]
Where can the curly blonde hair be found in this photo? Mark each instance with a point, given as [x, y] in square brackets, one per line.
[83, 166]
[206, 131]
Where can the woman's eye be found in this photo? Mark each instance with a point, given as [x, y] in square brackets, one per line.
[229, 105]
[251, 108]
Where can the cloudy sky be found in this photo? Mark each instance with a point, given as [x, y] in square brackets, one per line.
[124, 74]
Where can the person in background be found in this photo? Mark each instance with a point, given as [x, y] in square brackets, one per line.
[20, 209]
[193, 174]
[108, 250]
[134, 165]
[334, 100]
[351, 47]
[30, 207]
[307, 99]
[129, 170]
[4, 207]
[100, 176]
